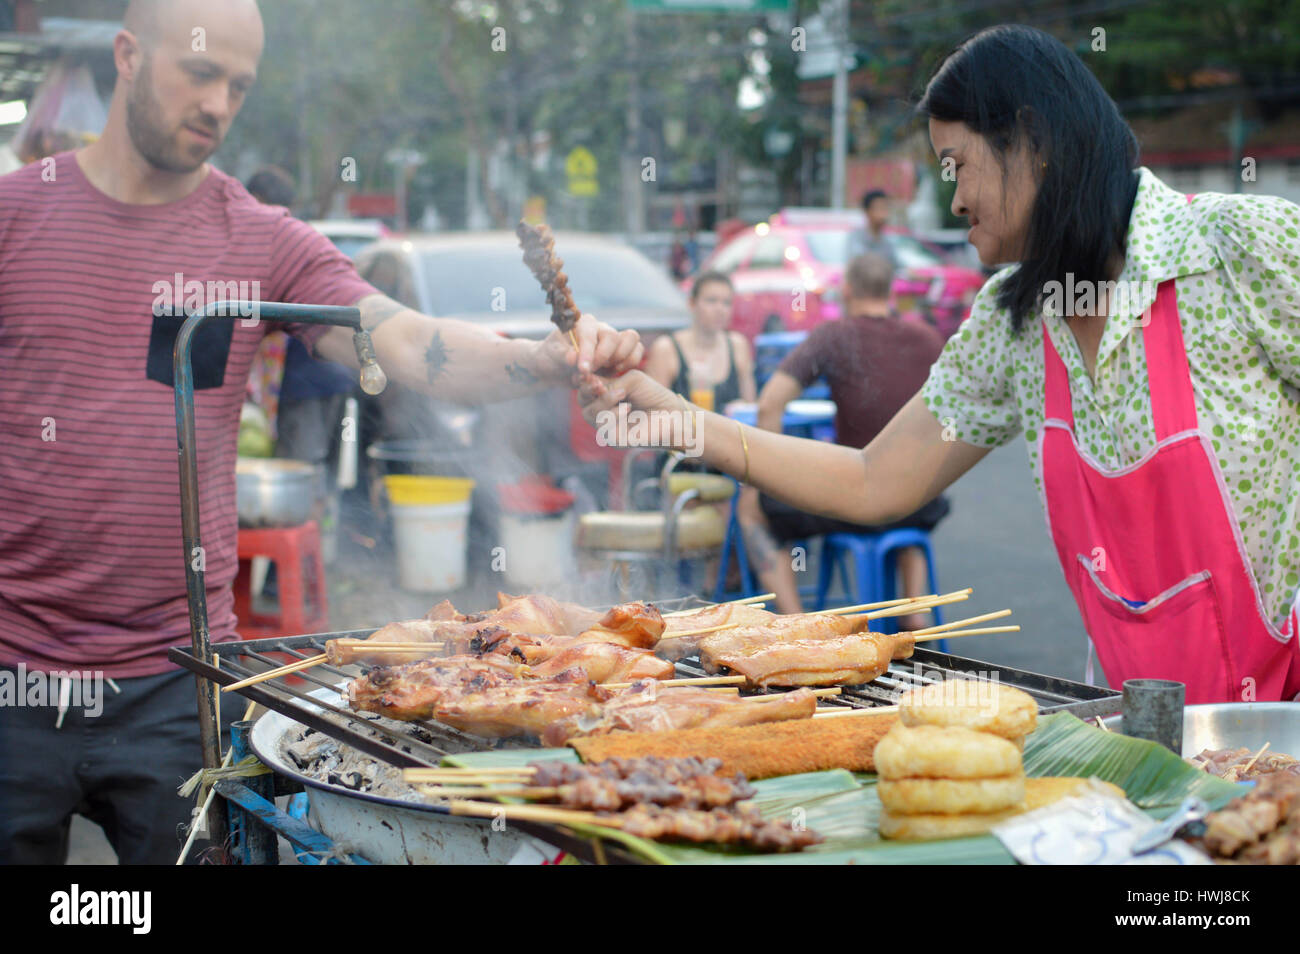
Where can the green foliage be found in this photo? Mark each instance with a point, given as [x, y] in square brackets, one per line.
[345, 80]
[846, 810]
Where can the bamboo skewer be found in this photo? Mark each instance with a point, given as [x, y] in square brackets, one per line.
[386, 644]
[456, 771]
[907, 601]
[435, 791]
[773, 696]
[273, 673]
[693, 681]
[1248, 765]
[978, 631]
[846, 711]
[542, 813]
[699, 609]
[918, 606]
[698, 632]
[955, 624]
[399, 647]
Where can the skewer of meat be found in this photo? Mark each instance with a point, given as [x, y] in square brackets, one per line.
[539, 255]
[646, 707]
[630, 624]
[824, 657]
[739, 824]
[597, 792]
[674, 646]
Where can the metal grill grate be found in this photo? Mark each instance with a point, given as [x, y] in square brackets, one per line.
[425, 743]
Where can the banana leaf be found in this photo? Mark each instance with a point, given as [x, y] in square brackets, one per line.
[844, 807]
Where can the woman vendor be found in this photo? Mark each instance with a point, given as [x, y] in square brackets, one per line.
[1145, 345]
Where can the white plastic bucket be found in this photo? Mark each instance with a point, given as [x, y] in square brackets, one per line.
[430, 543]
[538, 548]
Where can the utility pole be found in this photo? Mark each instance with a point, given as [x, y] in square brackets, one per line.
[840, 104]
[633, 187]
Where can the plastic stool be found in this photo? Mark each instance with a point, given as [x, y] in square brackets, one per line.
[874, 559]
[734, 541]
[300, 576]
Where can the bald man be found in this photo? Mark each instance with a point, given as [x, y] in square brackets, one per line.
[101, 250]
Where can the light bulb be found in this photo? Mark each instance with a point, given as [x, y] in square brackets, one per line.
[373, 379]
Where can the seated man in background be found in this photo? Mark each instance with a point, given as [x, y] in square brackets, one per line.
[874, 363]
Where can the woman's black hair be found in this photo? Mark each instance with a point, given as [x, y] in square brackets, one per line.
[704, 278]
[1018, 86]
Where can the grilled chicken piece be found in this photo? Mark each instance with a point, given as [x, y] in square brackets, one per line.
[541, 614]
[414, 690]
[634, 625]
[606, 662]
[523, 708]
[679, 647]
[838, 661]
[748, 639]
[648, 708]
[444, 611]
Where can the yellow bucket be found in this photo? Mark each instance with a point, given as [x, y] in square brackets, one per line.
[414, 490]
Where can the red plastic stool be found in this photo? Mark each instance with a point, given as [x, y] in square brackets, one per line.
[300, 576]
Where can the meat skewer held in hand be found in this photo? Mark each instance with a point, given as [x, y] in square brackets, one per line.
[539, 255]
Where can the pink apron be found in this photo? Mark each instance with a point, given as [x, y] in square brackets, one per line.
[1152, 551]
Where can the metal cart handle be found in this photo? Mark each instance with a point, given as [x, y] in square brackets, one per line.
[372, 376]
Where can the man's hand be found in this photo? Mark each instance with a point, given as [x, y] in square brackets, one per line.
[601, 350]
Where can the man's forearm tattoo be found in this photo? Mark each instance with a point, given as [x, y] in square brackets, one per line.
[520, 375]
[436, 356]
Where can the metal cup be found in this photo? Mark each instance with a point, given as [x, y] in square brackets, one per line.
[1153, 710]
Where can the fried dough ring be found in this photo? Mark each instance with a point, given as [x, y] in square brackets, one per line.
[974, 704]
[931, 751]
[951, 796]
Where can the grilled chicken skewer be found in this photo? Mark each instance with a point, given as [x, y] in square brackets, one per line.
[828, 651]
[634, 625]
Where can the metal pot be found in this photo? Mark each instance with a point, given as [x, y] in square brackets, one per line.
[272, 492]
[387, 830]
[1236, 725]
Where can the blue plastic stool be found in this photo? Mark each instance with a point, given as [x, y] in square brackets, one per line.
[874, 557]
[734, 542]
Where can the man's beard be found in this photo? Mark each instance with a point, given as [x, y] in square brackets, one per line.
[160, 148]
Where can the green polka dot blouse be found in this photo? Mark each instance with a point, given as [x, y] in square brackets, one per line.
[1236, 259]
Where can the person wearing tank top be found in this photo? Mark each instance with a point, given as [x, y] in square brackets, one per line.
[706, 363]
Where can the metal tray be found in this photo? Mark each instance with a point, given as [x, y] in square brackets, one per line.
[1237, 725]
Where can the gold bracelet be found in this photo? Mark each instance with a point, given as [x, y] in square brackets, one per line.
[744, 444]
[690, 414]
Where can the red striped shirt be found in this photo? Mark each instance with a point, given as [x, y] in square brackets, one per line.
[92, 573]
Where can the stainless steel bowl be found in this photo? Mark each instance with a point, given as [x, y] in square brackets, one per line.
[271, 492]
[1236, 725]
